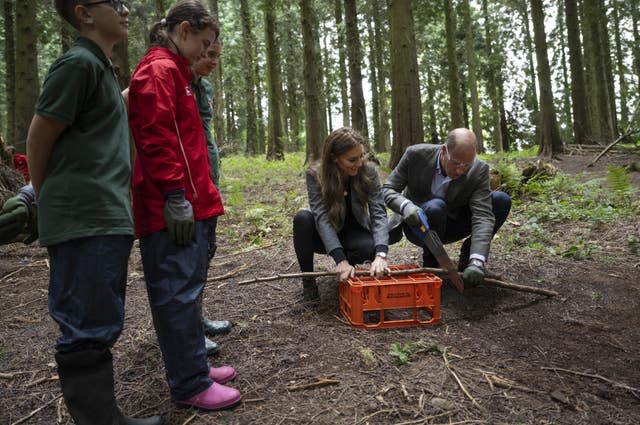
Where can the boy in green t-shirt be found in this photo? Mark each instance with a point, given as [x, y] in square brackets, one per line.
[78, 151]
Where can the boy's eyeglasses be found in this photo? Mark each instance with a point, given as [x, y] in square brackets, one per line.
[118, 5]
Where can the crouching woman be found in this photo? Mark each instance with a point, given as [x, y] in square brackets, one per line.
[347, 217]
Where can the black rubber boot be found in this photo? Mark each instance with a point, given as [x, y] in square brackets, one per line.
[86, 378]
[310, 290]
[212, 347]
[216, 327]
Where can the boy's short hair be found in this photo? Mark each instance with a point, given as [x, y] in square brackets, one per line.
[65, 8]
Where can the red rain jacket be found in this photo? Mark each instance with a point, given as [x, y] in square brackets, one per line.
[170, 142]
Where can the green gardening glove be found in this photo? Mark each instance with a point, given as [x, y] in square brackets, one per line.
[410, 214]
[474, 273]
[13, 219]
[178, 214]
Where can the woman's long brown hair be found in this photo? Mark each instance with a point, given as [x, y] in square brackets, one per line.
[339, 142]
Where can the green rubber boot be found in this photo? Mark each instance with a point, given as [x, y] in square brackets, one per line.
[216, 327]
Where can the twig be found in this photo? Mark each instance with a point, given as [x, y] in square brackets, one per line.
[455, 376]
[190, 419]
[426, 418]
[487, 281]
[41, 380]
[33, 413]
[233, 254]
[230, 274]
[600, 377]
[320, 382]
[364, 419]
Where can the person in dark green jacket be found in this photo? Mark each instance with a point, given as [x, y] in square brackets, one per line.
[203, 90]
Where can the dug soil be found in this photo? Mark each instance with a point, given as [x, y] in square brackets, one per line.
[497, 356]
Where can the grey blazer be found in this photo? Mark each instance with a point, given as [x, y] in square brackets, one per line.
[412, 177]
[372, 217]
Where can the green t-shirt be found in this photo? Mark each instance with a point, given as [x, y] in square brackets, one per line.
[204, 97]
[86, 186]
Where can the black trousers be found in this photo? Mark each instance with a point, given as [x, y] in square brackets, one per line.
[357, 242]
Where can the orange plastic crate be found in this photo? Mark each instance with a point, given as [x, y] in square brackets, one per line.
[391, 301]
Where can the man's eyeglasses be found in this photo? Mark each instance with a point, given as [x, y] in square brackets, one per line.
[118, 5]
[457, 164]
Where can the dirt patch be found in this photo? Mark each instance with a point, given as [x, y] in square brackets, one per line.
[497, 357]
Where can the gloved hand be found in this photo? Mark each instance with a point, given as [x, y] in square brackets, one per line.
[410, 215]
[18, 215]
[178, 214]
[474, 273]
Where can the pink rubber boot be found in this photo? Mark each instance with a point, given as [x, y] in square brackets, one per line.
[222, 374]
[216, 397]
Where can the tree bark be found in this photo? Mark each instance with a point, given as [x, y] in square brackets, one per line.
[550, 140]
[471, 72]
[27, 86]
[373, 81]
[455, 96]
[315, 124]
[275, 147]
[10, 71]
[251, 146]
[492, 75]
[620, 67]
[406, 108]
[358, 108]
[581, 127]
[218, 94]
[532, 100]
[381, 47]
[342, 64]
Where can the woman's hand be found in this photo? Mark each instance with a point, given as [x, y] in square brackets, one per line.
[344, 270]
[379, 267]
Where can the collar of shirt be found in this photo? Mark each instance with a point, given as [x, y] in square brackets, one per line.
[440, 182]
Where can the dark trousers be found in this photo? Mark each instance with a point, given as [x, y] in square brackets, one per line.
[357, 243]
[454, 230]
[175, 277]
[88, 278]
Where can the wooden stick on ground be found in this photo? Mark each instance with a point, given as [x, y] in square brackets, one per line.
[633, 390]
[320, 382]
[30, 415]
[612, 144]
[487, 281]
[458, 380]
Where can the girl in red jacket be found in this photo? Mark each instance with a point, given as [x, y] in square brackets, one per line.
[174, 201]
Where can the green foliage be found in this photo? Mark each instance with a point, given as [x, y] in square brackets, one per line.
[634, 244]
[368, 357]
[403, 352]
[509, 176]
[618, 180]
[579, 251]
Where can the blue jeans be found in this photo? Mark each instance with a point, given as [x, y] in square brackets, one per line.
[87, 283]
[451, 230]
[175, 277]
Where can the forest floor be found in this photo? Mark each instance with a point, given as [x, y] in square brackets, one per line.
[496, 357]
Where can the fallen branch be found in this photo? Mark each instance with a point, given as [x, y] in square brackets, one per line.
[33, 413]
[230, 274]
[320, 382]
[633, 390]
[612, 144]
[455, 376]
[487, 281]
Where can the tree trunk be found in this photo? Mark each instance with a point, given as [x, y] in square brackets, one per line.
[292, 64]
[275, 148]
[621, 68]
[492, 75]
[262, 131]
[373, 81]
[358, 109]
[566, 89]
[635, 19]
[120, 59]
[550, 141]
[431, 94]
[471, 72]
[406, 108]
[27, 85]
[342, 64]
[381, 47]
[251, 147]
[455, 96]
[315, 124]
[10, 71]
[532, 100]
[218, 93]
[581, 127]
